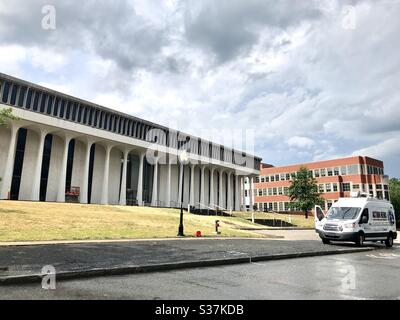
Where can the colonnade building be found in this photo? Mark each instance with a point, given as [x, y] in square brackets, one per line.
[62, 148]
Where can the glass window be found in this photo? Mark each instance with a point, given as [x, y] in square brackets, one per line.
[343, 213]
[346, 187]
[259, 192]
[316, 173]
[49, 105]
[356, 187]
[277, 177]
[29, 99]
[6, 92]
[14, 91]
[264, 192]
[352, 169]
[267, 179]
[272, 178]
[282, 177]
[323, 172]
[36, 101]
[43, 103]
[287, 176]
[336, 171]
[328, 187]
[22, 93]
[270, 191]
[262, 179]
[343, 170]
[275, 191]
[330, 172]
[321, 188]
[335, 187]
[280, 191]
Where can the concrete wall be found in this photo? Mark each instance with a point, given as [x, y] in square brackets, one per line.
[78, 164]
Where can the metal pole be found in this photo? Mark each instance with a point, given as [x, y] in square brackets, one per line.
[180, 230]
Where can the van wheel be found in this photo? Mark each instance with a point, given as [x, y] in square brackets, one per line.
[360, 239]
[389, 241]
[325, 241]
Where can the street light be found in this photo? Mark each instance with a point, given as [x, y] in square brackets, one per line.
[183, 157]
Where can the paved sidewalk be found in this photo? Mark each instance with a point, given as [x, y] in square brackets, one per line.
[24, 263]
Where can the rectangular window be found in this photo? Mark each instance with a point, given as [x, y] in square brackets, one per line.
[49, 105]
[328, 187]
[323, 173]
[287, 176]
[275, 191]
[43, 103]
[330, 172]
[264, 192]
[6, 92]
[316, 173]
[356, 187]
[22, 93]
[280, 191]
[267, 179]
[336, 171]
[270, 192]
[262, 179]
[335, 187]
[272, 178]
[353, 169]
[14, 94]
[260, 192]
[36, 101]
[62, 108]
[343, 170]
[277, 177]
[286, 191]
[321, 188]
[29, 99]
[282, 177]
[345, 187]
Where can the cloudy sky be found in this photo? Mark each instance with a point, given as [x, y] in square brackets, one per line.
[313, 79]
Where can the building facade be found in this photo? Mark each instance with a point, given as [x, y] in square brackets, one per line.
[336, 178]
[61, 148]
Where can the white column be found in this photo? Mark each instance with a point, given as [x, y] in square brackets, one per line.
[237, 193]
[38, 168]
[9, 165]
[85, 182]
[104, 192]
[221, 188]
[139, 195]
[154, 198]
[212, 187]
[191, 195]
[169, 185]
[122, 196]
[251, 194]
[202, 190]
[63, 173]
[229, 200]
[243, 193]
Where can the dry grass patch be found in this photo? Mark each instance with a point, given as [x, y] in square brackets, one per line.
[33, 221]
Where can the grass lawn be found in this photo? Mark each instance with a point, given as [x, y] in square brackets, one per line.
[297, 220]
[33, 221]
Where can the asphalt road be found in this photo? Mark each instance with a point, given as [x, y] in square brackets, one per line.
[369, 275]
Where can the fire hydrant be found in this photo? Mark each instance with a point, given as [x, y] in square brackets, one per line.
[217, 227]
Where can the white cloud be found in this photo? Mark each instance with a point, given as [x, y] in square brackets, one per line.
[300, 142]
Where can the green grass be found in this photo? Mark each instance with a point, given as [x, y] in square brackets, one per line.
[297, 220]
[32, 221]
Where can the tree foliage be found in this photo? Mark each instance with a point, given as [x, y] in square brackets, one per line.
[303, 192]
[5, 115]
[394, 190]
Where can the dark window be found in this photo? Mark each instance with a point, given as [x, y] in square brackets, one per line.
[68, 114]
[62, 108]
[115, 124]
[44, 176]
[55, 111]
[43, 103]
[49, 104]
[22, 93]
[110, 122]
[96, 118]
[90, 116]
[120, 125]
[91, 167]
[85, 114]
[73, 118]
[18, 164]
[14, 94]
[29, 99]
[106, 119]
[5, 92]
[36, 101]
[70, 164]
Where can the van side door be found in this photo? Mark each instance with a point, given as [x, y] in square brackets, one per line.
[365, 221]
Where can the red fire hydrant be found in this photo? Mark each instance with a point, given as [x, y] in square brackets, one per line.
[198, 234]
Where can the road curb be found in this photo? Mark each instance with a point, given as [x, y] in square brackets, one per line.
[135, 269]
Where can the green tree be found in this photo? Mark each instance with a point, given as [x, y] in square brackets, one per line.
[394, 190]
[5, 115]
[303, 192]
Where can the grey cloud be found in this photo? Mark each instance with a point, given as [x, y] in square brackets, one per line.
[231, 27]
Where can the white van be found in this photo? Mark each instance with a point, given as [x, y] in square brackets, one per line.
[358, 218]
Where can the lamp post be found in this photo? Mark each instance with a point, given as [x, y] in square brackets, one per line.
[183, 157]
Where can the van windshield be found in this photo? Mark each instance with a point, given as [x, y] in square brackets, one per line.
[343, 213]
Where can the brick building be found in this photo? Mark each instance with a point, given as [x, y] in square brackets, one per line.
[336, 178]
